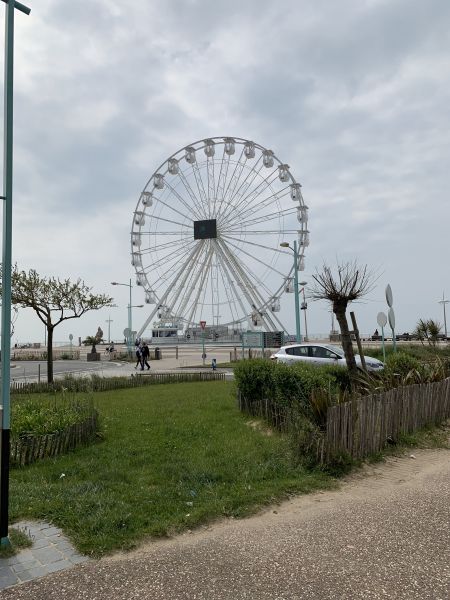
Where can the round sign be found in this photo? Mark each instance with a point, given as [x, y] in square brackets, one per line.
[70, 337]
[389, 297]
[381, 319]
[127, 332]
[391, 317]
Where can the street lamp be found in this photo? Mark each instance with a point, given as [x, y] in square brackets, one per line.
[304, 306]
[11, 5]
[130, 330]
[298, 335]
[444, 302]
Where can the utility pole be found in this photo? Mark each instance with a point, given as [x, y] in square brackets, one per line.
[444, 302]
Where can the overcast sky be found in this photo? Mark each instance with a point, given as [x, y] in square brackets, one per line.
[354, 95]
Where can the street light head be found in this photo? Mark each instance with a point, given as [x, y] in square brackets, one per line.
[285, 245]
[303, 283]
[114, 283]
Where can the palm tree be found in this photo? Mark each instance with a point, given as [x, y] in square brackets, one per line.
[349, 284]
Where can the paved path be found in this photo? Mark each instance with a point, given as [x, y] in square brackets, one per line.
[384, 535]
[51, 551]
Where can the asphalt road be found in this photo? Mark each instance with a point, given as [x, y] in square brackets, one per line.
[28, 370]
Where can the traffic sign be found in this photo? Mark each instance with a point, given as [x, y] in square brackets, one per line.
[203, 324]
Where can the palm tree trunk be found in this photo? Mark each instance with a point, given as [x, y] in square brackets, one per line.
[347, 346]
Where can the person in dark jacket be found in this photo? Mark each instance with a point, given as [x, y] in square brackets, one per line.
[145, 356]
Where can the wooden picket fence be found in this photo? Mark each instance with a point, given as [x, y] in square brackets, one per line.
[366, 425]
[30, 448]
[102, 384]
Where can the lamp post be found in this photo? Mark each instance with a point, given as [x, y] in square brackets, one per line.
[298, 335]
[303, 307]
[444, 302]
[11, 5]
[109, 321]
[129, 340]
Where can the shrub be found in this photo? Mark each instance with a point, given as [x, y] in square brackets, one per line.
[37, 415]
[401, 364]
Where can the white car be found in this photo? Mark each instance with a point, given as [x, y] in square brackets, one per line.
[321, 354]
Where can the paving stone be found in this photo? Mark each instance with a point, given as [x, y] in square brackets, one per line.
[58, 566]
[36, 572]
[47, 555]
[24, 556]
[8, 580]
[51, 531]
[4, 571]
[42, 543]
[25, 566]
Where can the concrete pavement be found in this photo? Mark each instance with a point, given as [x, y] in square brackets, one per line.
[382, 535]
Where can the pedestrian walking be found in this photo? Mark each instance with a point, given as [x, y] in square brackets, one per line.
[145, 355]
[139, 358]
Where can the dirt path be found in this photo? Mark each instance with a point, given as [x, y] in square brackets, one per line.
[384, 534]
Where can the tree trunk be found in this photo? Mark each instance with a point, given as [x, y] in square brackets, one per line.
[347, 346]
[49, 354]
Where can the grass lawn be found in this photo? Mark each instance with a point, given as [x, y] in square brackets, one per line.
[173, 456]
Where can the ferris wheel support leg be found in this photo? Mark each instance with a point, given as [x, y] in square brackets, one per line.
[224, 266]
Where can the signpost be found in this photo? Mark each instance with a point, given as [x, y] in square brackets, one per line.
[382, 320]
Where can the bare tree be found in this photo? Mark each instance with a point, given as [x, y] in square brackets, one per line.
[54, 301]
[350, 283]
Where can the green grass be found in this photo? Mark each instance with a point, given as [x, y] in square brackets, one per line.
[173, 457]
[18, 541]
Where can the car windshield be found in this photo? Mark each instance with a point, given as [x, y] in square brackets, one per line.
[336, 349]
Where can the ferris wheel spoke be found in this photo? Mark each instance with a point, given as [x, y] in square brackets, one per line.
[250, 198]
[158, 218]
[187, 286]
[201, 278]
[172, 208]
[197, 202]
[265, 231]
[247, 184]
[248, 287]
[200, 187]
[222, 181]
[244, 241]
[252, 211]
[230, 299]
[232, 277]
[169, 257]
[233, 182]
[162, 298]
[262, 219]
[237, 195]
[211, 182]
[160, 282]
[253, 257]
[184, 243]
[179, 197]
[250, 279]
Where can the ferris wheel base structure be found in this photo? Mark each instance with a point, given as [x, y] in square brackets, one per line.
[206, 235]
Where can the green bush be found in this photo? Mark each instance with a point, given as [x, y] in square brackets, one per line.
[40, 415]
[285, 386]
[401, 364]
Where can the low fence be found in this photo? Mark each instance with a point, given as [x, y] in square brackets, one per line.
[41, 354]
[30, 448]
[101, 384]
[365, 426]
[368, 424]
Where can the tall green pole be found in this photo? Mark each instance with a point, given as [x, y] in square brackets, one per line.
[7, 262]
[296, 291]
[130, 326]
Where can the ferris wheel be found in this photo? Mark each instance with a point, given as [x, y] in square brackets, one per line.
[206, 234]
